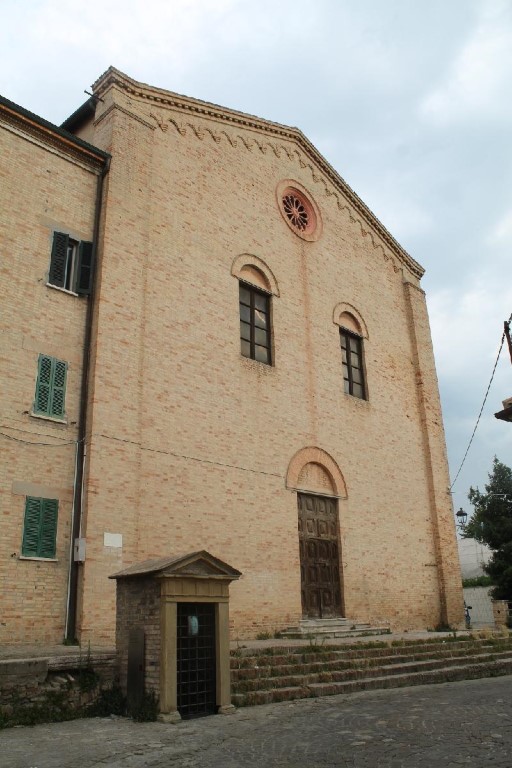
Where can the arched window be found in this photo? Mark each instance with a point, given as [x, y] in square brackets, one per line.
[257, 284]
[352, 330]
[255, 338]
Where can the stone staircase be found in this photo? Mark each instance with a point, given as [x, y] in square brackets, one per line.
[283, 674]
[323, 629]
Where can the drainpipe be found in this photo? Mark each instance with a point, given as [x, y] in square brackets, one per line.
[72, 598]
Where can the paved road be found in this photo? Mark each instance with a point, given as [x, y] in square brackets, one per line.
[452, 725]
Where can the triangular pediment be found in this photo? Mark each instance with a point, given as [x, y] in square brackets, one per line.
[199, 565]
[193, 117]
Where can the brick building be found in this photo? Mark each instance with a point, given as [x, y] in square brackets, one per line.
[210, 342]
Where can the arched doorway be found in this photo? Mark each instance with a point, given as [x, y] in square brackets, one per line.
[316, 478]
[319, 545]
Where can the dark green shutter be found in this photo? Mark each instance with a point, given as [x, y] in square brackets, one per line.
[50, 386]
[85, 269]
[40, 527]
[48, 530]
[43, 385]
[29, 547]
[58, 391]
[57, 274]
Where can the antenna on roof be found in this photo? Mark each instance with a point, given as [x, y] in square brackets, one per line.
[93, 96]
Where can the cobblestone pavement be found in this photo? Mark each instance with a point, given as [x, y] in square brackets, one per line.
[440, 726]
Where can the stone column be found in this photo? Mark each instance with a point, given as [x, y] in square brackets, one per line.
[168, 662]
[223, 659]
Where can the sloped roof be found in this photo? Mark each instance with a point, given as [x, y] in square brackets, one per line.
[188, 106]
[50, 133]
[200, 564]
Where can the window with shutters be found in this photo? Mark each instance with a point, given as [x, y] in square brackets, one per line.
[50, 387]
[255, 324]
[40, 528]
[71, 264]
[352, 360]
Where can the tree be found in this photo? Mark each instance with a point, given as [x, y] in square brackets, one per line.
[491, 524]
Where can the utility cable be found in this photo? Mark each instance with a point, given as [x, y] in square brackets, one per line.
[482, 408]
[33, 442]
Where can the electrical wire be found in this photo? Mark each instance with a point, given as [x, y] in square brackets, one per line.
[482, 408]
[33, 442]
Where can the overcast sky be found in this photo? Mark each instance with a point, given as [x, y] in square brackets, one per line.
[410, 101]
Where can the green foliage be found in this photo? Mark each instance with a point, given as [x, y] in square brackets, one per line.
[53, 708]
[478, 581]
[110, 701]
[146, 711]
[491, 524]
[443, 628]
[88, 679]
[499, 569]
[263, 636]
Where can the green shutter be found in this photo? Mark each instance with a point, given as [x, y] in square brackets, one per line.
[43, 385]
[48, 530]
[85, 269]
[58, 390]
[40, 528]
[29, 547]
[58, 261]
[50, 386]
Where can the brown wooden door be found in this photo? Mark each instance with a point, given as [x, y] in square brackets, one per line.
[319, 557]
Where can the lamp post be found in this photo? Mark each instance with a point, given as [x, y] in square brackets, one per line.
[461, 519]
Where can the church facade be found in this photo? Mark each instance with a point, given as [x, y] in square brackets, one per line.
[212, 344]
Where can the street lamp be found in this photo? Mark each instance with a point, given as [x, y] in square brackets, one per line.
[461, 519]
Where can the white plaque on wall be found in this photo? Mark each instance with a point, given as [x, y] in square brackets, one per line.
[113, 540]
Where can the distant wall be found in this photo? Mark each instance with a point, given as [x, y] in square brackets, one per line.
[481, 606]
[473, 556]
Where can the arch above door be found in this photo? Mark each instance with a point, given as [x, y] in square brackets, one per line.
[314, 470]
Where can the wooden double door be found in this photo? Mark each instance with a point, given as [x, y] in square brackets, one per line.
[321, 588]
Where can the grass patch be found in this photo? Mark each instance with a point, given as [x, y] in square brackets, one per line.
[478, 581]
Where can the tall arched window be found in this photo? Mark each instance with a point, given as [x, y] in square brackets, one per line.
[351, 331]
[352, 360]
[257, 285]
[255, 338]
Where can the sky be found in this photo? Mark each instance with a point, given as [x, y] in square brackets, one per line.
[409, 101]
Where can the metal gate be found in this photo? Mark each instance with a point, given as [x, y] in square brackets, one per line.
[196, 673]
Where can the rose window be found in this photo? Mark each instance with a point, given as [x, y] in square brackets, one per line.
[296, 212]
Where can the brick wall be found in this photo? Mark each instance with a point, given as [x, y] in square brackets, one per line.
[188, 442]
[199, 440]
[138, 607]
[62, 684]
[44, 188]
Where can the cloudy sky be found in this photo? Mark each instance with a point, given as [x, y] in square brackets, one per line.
[410, 101]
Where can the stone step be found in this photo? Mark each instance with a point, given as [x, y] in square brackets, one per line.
[325, 621]
[333, 627]
[391, 667]
[329, 666]
[334, 632]
[282, 674]
[304, 654]
[441, 674]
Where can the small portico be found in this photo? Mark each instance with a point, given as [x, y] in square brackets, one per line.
[172, 633]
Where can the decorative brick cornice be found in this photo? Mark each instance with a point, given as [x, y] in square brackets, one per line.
[263, 136]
